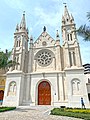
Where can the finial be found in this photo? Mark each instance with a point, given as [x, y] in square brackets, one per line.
[31, 41]
[31, 38]
[65, 4]
[44, 29]
[57, 38]
[23, 12]
[17, 27]
[57, 35]
[72, 17]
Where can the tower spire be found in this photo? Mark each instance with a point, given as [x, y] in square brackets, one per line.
[57, 38]
[67, 19]
[66, 13]
[23, 22]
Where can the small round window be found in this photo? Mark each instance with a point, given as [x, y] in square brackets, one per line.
[44, 43]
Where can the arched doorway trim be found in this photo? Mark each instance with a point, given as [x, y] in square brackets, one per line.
[47, 93]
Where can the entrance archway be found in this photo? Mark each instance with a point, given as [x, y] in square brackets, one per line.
[44, 93]
[1, 95]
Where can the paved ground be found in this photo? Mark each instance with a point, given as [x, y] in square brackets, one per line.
[32, 113]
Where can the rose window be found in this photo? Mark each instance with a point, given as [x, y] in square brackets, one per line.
[44, 58]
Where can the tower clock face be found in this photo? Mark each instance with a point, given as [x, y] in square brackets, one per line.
[44, 58]
[68, 30]
[18, 37]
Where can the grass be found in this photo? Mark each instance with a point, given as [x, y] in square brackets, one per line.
[72, 112]
[3, 109]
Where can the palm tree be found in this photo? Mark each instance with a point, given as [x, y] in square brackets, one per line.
[5, 61]
[84, 30]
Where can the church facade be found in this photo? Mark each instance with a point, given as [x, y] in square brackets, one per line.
[48, 73]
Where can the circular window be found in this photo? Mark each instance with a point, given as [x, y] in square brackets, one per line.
[44, 58]
[44, 43]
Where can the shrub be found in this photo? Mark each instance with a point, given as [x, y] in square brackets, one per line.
[70, 112]
[2, 109]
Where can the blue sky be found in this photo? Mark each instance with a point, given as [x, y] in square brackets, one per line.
[38, 14]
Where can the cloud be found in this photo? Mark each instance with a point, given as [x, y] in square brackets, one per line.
[51, 19]
[58, 1]
[48, 13]
[85, 51]
[16, 4]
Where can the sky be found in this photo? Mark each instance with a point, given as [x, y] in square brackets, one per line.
[41, 13]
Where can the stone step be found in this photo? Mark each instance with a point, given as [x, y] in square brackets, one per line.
[26, 104]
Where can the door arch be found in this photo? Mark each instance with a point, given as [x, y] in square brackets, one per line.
[44, 93]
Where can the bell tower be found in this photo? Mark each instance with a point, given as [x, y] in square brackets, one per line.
[20, 49]
[71, 49]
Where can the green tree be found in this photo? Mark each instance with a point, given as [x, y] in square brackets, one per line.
[5, 61]
[84, 30]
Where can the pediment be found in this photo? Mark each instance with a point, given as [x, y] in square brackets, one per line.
[44, 40]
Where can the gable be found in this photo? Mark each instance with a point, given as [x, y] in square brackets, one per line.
[44, 40]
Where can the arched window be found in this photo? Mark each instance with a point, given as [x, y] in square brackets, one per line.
[71, 37]
[68, 37]
[75, 86]
[74, 58]
[17, 43]
[12, 89]
[78, 86]
[70, 58]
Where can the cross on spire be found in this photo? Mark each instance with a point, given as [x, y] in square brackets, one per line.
[44, 29]
[65, 4]
[23, 12]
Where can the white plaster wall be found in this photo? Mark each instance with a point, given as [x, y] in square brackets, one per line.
[75, 100]
[22, 88]
[53, 66]
[36, 79]
[12, 100]
[60, 82]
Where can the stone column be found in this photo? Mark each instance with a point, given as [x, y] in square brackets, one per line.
[28, 89]
[19, 66]
[30, 69]
[66, 57]
[35, 65]
[54, 63]
[61, 88]
[58, 58]
[78, 57]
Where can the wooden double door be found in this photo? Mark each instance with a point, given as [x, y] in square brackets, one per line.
[44, 93]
